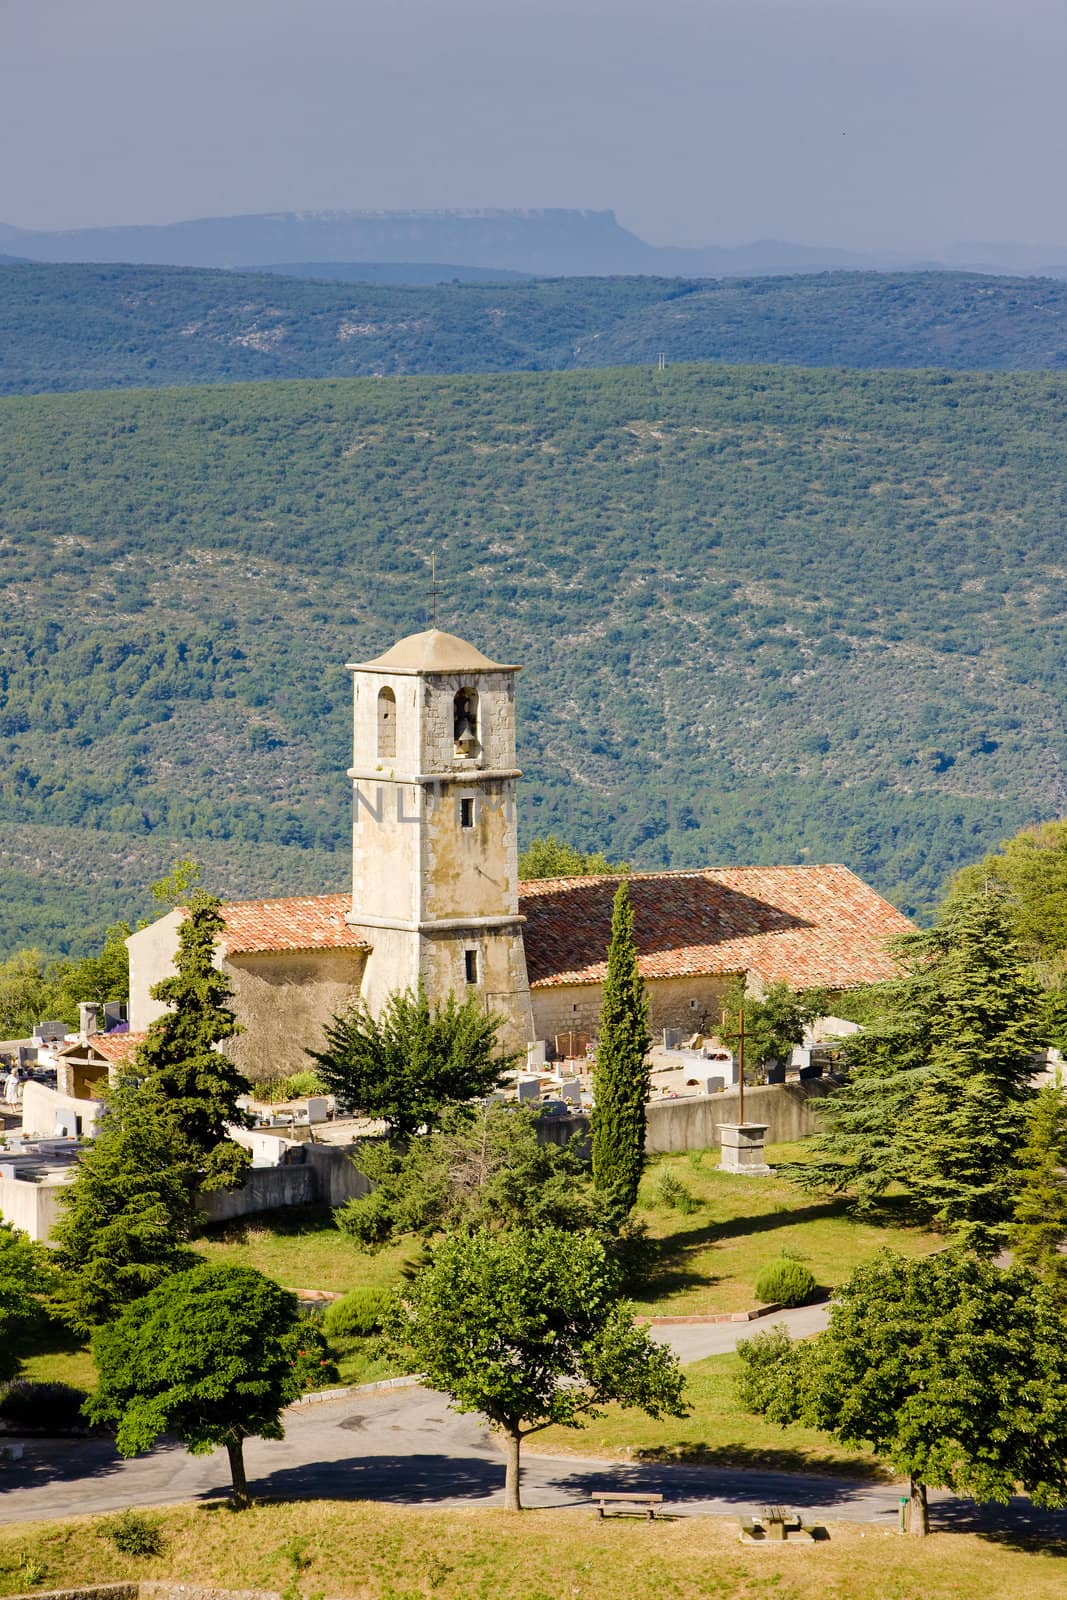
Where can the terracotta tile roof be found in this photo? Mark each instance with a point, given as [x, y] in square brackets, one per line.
[302, 922]
[116, 1047]
[809, 926]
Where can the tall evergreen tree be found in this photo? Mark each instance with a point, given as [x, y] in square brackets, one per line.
[621, 1072]
[1040, 1222]
[940, 1085]
[128, 1212]
[178, 1058]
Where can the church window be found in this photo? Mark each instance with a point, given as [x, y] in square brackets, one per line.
[465, 722]
[470, 964]
[386, 723]
[466, 812]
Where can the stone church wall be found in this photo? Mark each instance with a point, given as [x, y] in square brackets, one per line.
[692, 1004]
[284, 1000]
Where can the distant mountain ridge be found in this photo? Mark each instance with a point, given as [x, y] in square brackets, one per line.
[553, 242]
[80, 326]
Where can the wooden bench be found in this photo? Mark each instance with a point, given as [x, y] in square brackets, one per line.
[627, 1505]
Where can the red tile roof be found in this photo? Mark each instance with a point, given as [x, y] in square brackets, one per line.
[809, 926]
[302, 922]
[116, 1047]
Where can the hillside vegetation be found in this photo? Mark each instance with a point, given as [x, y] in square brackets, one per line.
[97, 327]
[765, 615]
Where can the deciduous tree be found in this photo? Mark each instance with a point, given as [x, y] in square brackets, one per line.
[210, 1356]
[550, 857]
[414, 1060]
[952, 1369]
[23, 1274]
[481, 1166]
[526, 1327]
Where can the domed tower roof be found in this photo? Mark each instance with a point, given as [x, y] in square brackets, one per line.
[432, 651]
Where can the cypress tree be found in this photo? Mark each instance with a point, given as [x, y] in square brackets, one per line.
[1040, 1222]
[621, 1073]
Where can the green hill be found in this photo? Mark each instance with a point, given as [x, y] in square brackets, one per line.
[98, 327]
[766, 614]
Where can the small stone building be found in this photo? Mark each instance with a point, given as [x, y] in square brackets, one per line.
[436, 896]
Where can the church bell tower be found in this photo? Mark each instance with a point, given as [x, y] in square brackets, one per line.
[434, 847]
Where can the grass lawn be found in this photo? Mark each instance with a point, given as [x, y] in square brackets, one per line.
[361, 1551]
[302, 1249]
[716, 1433]
[709, 1260]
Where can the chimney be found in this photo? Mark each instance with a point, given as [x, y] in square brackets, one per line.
[88, 1018]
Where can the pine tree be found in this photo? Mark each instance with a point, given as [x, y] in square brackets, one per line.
[129, 1211]
[178, 1057]
[621, 1073]
[1040, 1223]
[939, 1089]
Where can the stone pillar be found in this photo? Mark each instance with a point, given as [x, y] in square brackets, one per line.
[742, 1148]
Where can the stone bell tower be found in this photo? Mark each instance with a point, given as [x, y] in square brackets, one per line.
[434, 847]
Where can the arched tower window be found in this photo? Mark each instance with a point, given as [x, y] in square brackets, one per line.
[465, 722]
[386, 722]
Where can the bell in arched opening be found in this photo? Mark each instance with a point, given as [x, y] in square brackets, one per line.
[465, 723]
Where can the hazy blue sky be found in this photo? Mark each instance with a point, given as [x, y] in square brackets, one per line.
[855, 122]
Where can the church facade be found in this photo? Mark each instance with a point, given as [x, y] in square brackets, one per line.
[436, 899]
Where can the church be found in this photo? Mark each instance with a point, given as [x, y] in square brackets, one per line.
[436, 897]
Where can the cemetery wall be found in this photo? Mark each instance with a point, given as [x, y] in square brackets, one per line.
[692, 1123]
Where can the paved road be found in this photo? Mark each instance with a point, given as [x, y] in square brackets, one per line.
[692, 1341]
[404, 1446]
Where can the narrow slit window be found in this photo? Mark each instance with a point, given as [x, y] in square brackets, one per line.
[386, 723]
[470, 963]
[466, 812]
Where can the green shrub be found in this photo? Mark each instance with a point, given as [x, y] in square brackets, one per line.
[671, 1191]
[357, 1315]
[313, 1363]
[44, 1408]
[786, 1283]
[298, 1086]
[30, 1573]
[134, 1534]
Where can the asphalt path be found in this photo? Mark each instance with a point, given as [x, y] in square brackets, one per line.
[692, 1341]
[405, 1447]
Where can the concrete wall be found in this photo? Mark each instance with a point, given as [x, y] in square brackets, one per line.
[790, 1111]
[326, 1175]
[692, 1004]
[41, 1105]
[152, 951]
[284, 1000]
[33, 1207]
[263, 1189]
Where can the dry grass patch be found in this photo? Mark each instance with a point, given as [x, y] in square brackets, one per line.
[363, 1551]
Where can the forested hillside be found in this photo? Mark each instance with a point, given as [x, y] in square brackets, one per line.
[91, 327]
[766, 614]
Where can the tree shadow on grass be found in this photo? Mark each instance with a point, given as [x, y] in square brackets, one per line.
[1019, 1525]
[764, 1458]
[667, 1273]
[285, 1220]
